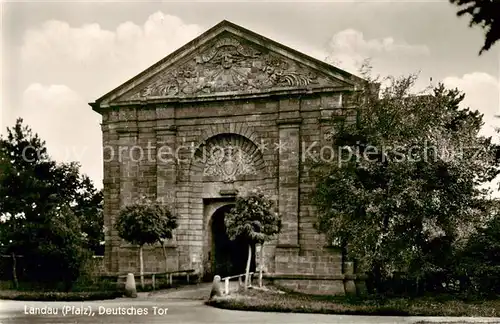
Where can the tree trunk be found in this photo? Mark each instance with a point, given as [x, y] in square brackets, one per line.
[141, 263]
[377, 276]
[247, 273]
[261, 263]
[14, 270]
[165, 255]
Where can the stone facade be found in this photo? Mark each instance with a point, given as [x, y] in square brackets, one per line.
[228, 112]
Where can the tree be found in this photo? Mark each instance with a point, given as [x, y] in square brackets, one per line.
[9, 228]
[485, 13]
[146, 222]
[32, 187]
[253, 220]
[88, 207]
[405, 177]
[32, 183]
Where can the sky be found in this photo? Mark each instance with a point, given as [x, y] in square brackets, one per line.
[59, 56]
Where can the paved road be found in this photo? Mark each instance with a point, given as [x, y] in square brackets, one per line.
[173, 307]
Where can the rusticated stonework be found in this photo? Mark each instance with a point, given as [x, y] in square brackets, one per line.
[229, 112]
[230, 65]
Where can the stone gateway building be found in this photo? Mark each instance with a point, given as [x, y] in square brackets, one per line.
[228, 112]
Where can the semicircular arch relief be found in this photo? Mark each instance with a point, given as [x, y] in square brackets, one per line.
[228, 157]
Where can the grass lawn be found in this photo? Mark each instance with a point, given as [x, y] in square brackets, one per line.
[32, 292]
[272, 301]
[58, 296]
[97, 290]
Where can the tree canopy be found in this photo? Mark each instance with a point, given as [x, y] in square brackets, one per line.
[406, 177]
[49, 212]
[484, 13]
[252, 218]
[32, 184]
[146, 222]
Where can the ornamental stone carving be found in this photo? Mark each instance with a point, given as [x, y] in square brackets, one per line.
[227, 163]
[228, 156]
[230, 66]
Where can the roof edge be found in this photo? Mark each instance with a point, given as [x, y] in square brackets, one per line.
[222, 26]
[166, 58]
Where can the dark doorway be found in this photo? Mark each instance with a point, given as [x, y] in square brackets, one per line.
[228, 257]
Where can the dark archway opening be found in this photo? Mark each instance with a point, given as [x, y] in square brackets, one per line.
[228, 257]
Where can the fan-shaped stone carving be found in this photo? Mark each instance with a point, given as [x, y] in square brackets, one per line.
[227, 156]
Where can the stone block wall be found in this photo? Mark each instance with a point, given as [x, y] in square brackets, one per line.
[324, 263]
[302, 122]
[198, 124]
[154, 260]
[313, 286]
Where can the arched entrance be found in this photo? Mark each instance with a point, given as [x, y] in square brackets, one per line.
[228, 257]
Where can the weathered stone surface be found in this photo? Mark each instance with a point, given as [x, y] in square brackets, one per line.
[257, 130]
[130, 287]
[216, 288]
[314, 287]
[230, 64]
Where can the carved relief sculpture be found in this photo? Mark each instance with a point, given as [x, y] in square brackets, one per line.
[228, 162]
[226, 67]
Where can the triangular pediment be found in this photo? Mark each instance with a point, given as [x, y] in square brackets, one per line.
[229, 60]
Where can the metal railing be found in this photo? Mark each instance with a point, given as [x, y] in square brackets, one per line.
[240, 282]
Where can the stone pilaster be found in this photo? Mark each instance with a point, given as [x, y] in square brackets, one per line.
[127, 155]
[166, 157]
[111, 194]
[331, 105]
[146, 180]
[128, 151]
[288, 171]
[166, 164]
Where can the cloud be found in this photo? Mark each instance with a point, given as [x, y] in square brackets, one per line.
[71, 131]
[482, 92]
[353, 40]
[108, 57]
[67, 66]
[349, 49]
[56, 40]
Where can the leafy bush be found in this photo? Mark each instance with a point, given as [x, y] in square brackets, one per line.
[480, 259]
[95, 288]
[57, 253]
